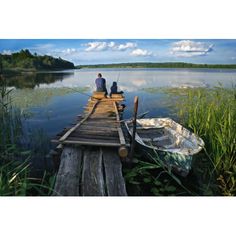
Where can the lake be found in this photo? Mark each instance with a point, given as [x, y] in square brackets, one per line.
[52, 100]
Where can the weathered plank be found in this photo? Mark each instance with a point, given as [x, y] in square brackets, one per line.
[92, 174]
[103, 136]
[68, 176]
[120, 132]
[115, 183]
[76, 126]
[98, 129]
[98, 172]
[90, 143]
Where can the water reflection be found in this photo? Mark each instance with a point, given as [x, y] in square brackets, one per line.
[131, 80]
[128, 79]
[59, 108]
[33, 80]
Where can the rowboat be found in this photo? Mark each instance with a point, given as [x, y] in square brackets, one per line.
[167, 141]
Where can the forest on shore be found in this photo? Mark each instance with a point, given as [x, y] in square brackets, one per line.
[25, 60]
[159, 65]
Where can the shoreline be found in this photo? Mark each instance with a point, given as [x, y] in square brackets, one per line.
[158, 65]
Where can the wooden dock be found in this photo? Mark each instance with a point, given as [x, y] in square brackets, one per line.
[90, 162]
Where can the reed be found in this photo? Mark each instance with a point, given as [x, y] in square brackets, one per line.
[211, 113]
[15, 169]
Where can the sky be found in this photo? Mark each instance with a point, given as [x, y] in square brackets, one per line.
[105, 51]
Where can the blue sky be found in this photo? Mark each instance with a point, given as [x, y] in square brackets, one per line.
[92, 51]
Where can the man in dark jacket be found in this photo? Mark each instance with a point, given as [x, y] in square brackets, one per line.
[101, 84]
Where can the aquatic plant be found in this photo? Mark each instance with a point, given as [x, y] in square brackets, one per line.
[15, 168]
[153, 177]
[15, 180]
[211, 113]
[28, 98]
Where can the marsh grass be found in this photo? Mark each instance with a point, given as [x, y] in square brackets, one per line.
[15, 166]
[15, 180]
[211, 113]
[28, 98]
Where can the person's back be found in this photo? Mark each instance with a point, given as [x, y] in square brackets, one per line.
[101, 84]
[114, 89]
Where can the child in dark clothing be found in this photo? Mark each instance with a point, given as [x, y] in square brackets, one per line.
[114, 89]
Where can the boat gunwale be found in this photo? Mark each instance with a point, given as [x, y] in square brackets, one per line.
[194, 151]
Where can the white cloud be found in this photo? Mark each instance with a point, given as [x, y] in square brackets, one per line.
[140, 52]
[126, 46]
[69, 51]
[187, 48]
[7, 52]
[102, 46]
[96, 46]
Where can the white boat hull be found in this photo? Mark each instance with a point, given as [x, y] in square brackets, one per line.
[168, 140]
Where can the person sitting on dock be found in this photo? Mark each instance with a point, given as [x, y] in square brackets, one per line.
[101, 84]
[114, 89]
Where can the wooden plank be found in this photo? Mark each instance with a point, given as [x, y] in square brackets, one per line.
[92, 136]
[92, 174]
[103, 116]
[68, 176]
[101, 137]
[94, 140]
[112, 99]
[120, 132]
[76, 126]
[95, 133]
[90, 143]
[98, 129]
[104, 127]
[99, 110]
[115, 182]
[102, 121]
[117, 95]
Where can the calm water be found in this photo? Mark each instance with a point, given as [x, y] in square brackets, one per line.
[60, 110]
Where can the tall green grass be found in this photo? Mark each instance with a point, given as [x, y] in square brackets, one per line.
[211, 113]
[15, 177]
[10, 122]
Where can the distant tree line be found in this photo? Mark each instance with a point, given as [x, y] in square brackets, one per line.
[160, 65]
[25, 60]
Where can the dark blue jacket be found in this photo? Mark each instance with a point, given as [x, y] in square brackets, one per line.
[101, 85]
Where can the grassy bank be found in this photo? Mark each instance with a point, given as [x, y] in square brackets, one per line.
[210, 113]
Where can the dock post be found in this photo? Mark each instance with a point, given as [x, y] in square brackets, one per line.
[134, 127]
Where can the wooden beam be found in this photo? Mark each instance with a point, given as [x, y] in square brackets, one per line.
[123, 152]
[68, 176]
[114, 179]
[63, 138]
[92, 173]
[91, 143]
[120, 132]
